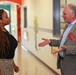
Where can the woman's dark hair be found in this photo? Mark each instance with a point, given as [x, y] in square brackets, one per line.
[4, 42]
[1, 13]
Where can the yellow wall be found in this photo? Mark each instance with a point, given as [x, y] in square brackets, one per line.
[43, 10]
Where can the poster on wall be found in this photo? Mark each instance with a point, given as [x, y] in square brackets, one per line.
[62, 3]
[36, 30]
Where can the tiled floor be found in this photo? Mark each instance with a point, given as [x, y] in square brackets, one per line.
[28, 64]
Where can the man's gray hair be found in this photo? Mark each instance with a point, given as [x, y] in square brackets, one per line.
[72, 8]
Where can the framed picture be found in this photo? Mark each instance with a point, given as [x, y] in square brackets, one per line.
[25, 17]
[56, 18]
[63, 3]
[62, 25]
[58, 6]
[25, 35]
[61, 12]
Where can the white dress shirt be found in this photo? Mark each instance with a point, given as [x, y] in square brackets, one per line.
[64, 36]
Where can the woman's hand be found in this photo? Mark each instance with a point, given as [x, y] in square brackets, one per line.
[16, 68]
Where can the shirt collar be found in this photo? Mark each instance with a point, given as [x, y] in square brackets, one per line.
[73, 22]
[69, 25]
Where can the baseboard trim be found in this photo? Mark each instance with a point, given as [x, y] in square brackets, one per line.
[39, 60]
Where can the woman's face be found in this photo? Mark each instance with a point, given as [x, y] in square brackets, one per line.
[5, 19]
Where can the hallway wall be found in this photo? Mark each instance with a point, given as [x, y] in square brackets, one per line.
[39, 16]
[42, 10]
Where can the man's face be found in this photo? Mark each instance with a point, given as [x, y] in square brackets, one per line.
[67, 16]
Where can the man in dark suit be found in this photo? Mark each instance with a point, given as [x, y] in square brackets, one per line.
[67, 44]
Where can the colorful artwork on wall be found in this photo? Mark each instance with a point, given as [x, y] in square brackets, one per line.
[36, 30]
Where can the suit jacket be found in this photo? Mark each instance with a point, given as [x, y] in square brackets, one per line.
[69, 61]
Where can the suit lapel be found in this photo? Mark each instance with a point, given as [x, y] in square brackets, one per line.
[73, 28]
